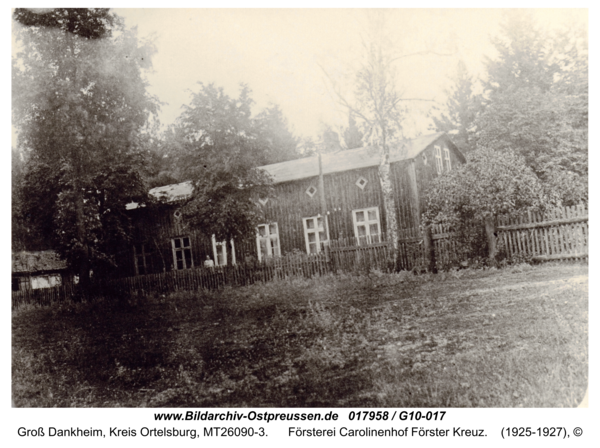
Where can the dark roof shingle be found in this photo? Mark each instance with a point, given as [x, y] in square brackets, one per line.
[309, 166]
[30, 262]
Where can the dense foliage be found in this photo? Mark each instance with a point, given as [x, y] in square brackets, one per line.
[462, 107]
[534, 103]
[218, 145]
[489, 184]
[525, 136]
[79, 106]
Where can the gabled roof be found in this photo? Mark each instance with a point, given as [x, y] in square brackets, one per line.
[309, 166]
[347, 160]
[32, 262]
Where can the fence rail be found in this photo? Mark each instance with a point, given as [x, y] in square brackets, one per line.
[44, 296]
[557, 234]
[553, 235]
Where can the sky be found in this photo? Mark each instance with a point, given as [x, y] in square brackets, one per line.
[293, 57]
[296, 57]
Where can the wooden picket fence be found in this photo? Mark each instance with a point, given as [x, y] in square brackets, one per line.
[221, 276]
[553, 235]
[557, 234]
[44, 296]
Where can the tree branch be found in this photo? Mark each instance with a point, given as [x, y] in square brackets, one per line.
[420, 53]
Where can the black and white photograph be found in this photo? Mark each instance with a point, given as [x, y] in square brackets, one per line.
[372, 209]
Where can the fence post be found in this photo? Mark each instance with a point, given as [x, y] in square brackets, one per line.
[490, 233]
[429, 249]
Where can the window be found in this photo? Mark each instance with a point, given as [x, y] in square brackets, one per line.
[314, 234]
[267, 241]
[367, 228]
[141, 259]
[182, 253]
[447, 157]
[311, 191]
[220, 252]
[20, 283]
[438, 159]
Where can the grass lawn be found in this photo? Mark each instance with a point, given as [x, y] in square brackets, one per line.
[516, 337]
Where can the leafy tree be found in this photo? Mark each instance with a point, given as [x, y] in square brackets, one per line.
[329, 139]
[21, 236]
[278, 142]
[219, 147]
[537, 98]
[471, 196]
[523, 56]
[378, 108]
[352, 135]
[80, 104]
[462, 108]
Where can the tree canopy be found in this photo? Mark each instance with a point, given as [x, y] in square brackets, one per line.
[218, 145]
[462, 108]
[471, 196]
[537, 104]
[534, 103]
[79, 106]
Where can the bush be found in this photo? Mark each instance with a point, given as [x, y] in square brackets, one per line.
[488, 185]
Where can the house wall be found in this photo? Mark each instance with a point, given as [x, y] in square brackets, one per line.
[426, 171]
[342, 196]
[291, 204]
[155, 228]
[38, 280]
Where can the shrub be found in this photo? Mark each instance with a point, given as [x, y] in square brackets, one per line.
[489, 184]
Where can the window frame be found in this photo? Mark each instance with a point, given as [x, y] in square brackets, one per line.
[182, 249]
[223, 248]
[269, 238]
[447, 158]
[439, 163]
[367, 224]
[316, 231]
[145, 257]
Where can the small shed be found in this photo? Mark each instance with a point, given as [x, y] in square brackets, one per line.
[36, 270]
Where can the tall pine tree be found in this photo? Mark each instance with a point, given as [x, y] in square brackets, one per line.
[462, 108]
[536, 104]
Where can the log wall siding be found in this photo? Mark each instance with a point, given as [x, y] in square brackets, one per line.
[342, 195]
[291, 204]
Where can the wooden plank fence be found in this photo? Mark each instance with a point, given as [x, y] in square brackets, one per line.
[560, 233]
[555, 234]
[44, 296]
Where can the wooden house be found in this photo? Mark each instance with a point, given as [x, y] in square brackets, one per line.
[36, 270]
[293, 220]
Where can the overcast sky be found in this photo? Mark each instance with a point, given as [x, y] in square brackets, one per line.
[281, 54]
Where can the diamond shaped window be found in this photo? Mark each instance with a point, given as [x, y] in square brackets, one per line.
[361, 183]
[263, 201]
[311, 191]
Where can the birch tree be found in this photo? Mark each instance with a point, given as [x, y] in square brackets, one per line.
[379, 107]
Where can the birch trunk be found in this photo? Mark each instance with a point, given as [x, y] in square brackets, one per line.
[389, 204]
